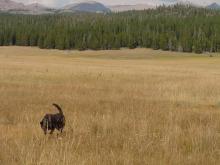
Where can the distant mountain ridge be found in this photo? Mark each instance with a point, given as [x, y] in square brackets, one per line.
[10, 6]
[6, 5]
[90, 6]
[213, 6]
[20, 8]
[35, 8]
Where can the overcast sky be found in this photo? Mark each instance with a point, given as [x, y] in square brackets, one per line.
[58, 3]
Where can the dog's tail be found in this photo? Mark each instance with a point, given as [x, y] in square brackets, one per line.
[58, 107]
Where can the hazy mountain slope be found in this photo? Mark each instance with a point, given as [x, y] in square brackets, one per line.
[213, 6]
[19, 8]
[6, 5]
[36, 8]
[90, 6]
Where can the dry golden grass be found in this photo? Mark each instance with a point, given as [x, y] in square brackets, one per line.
[122, 107]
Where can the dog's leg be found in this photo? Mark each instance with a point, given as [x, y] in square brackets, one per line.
[51, 132]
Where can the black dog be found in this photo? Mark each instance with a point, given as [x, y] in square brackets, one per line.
[53, 121]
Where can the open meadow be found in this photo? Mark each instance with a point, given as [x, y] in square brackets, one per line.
[122, 107]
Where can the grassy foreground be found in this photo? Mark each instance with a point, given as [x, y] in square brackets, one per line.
[122, 107]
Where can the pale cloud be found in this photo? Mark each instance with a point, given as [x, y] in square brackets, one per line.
[59, 3]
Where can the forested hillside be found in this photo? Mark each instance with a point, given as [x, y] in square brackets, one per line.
[178, 28]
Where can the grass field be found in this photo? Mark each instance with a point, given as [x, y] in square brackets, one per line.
[130, 107]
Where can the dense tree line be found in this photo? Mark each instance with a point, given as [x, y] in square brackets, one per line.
[177, 28]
